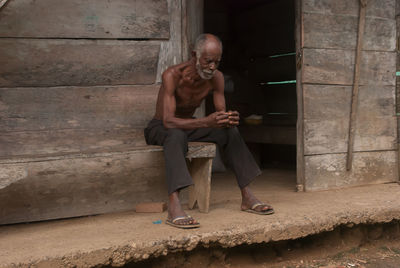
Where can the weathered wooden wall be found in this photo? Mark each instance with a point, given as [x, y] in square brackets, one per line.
[328, 41]
[61, 72]
[81, 77]
[85, 67]
[92, 19]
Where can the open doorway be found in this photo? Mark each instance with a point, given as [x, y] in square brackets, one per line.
[259, 64]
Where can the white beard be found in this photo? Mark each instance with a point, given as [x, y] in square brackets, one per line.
[204, 74]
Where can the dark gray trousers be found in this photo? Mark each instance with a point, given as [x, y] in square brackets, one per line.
[175, 143]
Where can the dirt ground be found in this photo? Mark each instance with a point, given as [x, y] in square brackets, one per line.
[123, 238]
[360, 246]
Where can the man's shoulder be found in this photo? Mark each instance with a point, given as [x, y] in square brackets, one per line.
[176, 69]
[218, 76]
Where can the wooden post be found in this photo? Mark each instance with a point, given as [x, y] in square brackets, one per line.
[354, 97]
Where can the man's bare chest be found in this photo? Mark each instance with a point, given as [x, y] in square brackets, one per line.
[187, 96]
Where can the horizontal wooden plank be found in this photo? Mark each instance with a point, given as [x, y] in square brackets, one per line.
[73, 187]
[326, 113]
[61, 186]
[68, 141]
[334, 66]
[329, 171]
[330, 101]
[338, 31]
[201, 150]
[43, 62]
[327, 101]
[85, 19]
[331, 135]
[52, 108]
[375, 8]
[195, 150]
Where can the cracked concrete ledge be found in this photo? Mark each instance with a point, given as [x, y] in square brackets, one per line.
[118, 256]
[227, 238]
[128, 237]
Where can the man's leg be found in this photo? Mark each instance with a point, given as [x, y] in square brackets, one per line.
[239, 159]
[175, 148]
[174, 142]
[235, 150]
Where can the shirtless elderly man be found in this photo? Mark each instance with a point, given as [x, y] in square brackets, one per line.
[183, 88]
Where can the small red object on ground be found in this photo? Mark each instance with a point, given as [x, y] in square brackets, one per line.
[151, 207]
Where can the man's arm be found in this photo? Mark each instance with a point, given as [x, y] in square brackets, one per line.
[219, 100]
[170, 83]
[218, 92]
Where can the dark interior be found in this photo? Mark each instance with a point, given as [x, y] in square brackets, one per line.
[259, 65]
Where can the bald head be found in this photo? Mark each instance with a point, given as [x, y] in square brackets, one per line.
[207, 41]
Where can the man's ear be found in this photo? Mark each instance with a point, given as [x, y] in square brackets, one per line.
[193, 53]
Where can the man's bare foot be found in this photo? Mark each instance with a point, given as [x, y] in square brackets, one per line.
[176, 216]
[251, 204]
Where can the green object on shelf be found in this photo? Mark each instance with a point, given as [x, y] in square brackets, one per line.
[283, 55]
[282, 82]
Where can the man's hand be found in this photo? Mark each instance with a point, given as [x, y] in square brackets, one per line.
[234, 118]
[218, 119]
[223, 119]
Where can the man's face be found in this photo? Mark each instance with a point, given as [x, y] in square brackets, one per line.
[207, 61]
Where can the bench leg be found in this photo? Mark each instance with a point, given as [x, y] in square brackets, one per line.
[200, 169]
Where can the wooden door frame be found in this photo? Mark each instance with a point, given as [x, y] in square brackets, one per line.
[300, 166]
[192, 25]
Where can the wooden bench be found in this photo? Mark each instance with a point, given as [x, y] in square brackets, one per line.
[53, 186]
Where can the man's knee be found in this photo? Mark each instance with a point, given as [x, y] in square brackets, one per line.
[219, 136]
[233, 131]
[222, 135]
[176, 135]
[233, 134]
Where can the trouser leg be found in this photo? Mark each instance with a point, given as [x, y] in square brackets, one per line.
[235, 150]
[174, 142]
[175, 149]
[240, 159]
